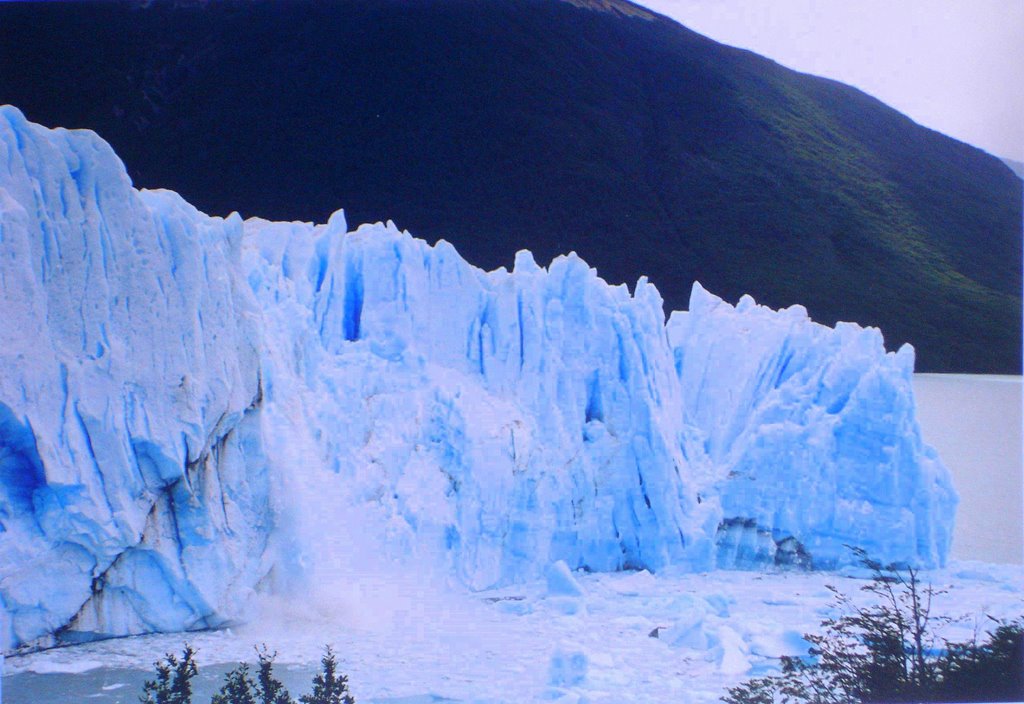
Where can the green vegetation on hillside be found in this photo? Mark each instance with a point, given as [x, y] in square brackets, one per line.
[512, 124]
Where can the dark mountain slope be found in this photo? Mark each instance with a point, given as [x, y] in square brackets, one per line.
[509, 124]
[1015, 166]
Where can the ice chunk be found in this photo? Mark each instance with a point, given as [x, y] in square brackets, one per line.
[568, 667]
[560, 581]
[687, 631]
[730, 651]
[634, 583]
[776, 644]
[567, 605]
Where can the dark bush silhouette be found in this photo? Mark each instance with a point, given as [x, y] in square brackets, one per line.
[889, 652]
[269, 690]
[992, 671]
[238, 688]
[173, 683]
[328, 687]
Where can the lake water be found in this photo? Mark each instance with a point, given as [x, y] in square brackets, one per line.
[123, 685]
[974, 421]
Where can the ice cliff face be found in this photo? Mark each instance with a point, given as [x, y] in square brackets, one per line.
[193, 409]
[133, 488]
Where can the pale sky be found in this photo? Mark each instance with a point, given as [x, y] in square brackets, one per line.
[956, 66]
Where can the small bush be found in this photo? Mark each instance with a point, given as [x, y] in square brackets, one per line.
[238, 688]
[269, 690]
[992, 671]
[888, 652]
[328, 687]
[173, 683]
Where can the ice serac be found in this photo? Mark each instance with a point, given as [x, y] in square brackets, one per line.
[194, 408]
[812, 434]
[497, 421]
[133, 493]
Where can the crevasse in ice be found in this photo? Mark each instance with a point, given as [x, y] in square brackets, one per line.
[194, 409]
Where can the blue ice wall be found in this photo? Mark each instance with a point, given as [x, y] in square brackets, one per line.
[193, 409]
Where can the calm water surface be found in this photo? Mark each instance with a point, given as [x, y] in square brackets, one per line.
[123, 686]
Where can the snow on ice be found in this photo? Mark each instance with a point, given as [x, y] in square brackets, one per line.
[195, 410]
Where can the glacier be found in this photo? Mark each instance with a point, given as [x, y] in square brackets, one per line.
[196, 410]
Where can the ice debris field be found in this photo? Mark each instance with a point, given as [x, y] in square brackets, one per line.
[525, 643]
[200, 416]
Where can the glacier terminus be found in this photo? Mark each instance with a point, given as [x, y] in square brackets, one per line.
[192, 407]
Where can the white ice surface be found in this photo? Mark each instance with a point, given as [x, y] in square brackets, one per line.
[401, 639]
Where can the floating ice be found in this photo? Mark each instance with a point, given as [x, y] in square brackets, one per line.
[730, 651]
[568, 667]
[196, 409]
[688, 629]
[560, 580]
